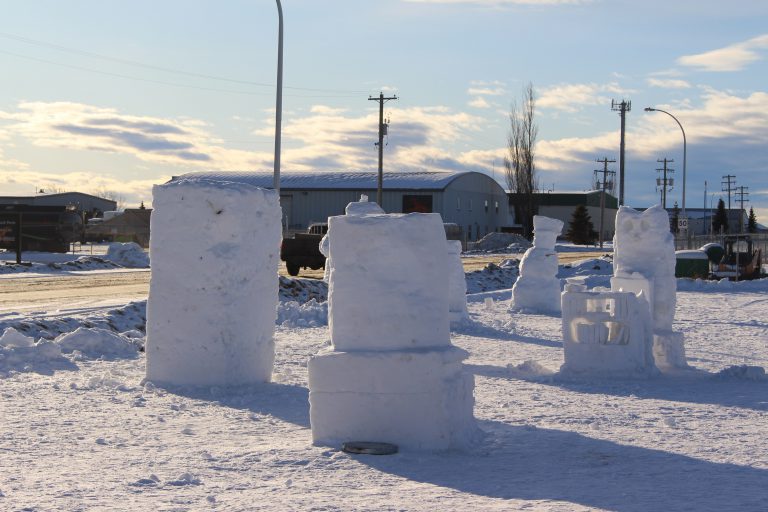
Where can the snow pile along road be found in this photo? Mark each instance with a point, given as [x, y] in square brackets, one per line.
[128, 255]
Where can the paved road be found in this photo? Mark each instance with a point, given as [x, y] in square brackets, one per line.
[71, 293]
[80, 292]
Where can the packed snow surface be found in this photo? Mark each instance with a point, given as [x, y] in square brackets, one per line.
[89, 434]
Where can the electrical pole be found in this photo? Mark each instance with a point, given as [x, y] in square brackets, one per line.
[741, 193]
[665, 184]
[729, 184]
[382, 131]
[603, 185]
[622, 107]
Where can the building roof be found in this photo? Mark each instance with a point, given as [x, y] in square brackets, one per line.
[321, 180]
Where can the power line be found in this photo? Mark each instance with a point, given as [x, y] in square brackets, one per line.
[382, 131]
[664, 183]
[156, 68]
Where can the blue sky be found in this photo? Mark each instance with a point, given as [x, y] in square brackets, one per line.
[118, 96]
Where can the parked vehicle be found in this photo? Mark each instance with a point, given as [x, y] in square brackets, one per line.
[43, 228]
[303, 250]
[740, 261]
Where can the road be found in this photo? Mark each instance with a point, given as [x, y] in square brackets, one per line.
[76, 293]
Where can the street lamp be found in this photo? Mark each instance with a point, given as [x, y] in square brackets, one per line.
[279, 100]
[651, 109]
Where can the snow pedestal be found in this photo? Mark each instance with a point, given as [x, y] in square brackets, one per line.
[644, 261]
[214, 289]
[606, 332]
[392, 374]
[457, 285]
[538, 288]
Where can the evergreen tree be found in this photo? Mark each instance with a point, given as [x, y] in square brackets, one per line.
[720, 220]
[581, 230]
[752, 221]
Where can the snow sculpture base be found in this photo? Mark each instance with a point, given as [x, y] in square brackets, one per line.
[457, 285]
[669, 350]
[606, 333]
[213, 295]
[415, 399]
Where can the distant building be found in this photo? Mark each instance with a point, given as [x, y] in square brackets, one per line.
[561, 205]
[132, 225]
[700, 219]
[472, 200]
[93, 206]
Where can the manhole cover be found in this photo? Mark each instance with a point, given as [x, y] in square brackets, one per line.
[369, 448]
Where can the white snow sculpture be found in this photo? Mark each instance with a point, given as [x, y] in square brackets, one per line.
[457, 285]
[538, 288]
[644, 260]
[606, 332]
[213, 295]
[391, 374]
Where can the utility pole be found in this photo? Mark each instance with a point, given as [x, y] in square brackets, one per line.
[729, 184]
[603, 185]
[741, 193]
[622, 107]
[382, 131]
[665, 184]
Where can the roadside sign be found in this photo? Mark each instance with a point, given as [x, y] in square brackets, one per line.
[682, 224]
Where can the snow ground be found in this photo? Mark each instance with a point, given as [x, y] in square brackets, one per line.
[79, 431]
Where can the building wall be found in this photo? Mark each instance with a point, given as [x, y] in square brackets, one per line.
[303, 207]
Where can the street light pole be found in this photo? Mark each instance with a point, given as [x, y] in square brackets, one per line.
[279, 100]
[685, 144]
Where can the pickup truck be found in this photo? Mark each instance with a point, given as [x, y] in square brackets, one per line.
[303, 250]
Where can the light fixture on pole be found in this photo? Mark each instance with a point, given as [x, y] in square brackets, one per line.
[279, 99]
[685, 144]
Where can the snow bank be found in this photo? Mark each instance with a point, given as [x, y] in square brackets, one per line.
[538, 288]
[89, 343]
[391, 374]
[214, 290]
[129, 255]
[19, 353]
[493, 277]
[501, 242]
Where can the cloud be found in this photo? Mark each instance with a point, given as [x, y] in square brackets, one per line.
[668, 83]
[574, 97]
[730, 58]
[480, 91]
[479, 102]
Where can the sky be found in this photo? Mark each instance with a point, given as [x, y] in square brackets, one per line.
[114, 97]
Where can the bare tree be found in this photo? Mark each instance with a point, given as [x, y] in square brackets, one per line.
[519, 162]
[111, 195]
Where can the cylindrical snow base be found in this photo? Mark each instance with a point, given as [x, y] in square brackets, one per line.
[213, 294]
[418, 400]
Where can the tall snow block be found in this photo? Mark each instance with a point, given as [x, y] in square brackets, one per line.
[213, 294]
[392, 374]
[538, 288]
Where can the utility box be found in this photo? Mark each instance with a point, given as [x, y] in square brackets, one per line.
[692, 263]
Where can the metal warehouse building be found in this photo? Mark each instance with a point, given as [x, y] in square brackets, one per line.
[474, 201]
[84, 202]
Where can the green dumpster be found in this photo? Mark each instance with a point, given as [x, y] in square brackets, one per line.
[694, 264]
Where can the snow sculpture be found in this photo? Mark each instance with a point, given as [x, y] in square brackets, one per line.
[213, 295]
[391, 374]
[644, 260]
[606, 332]
[538, 288]
[457, 285]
